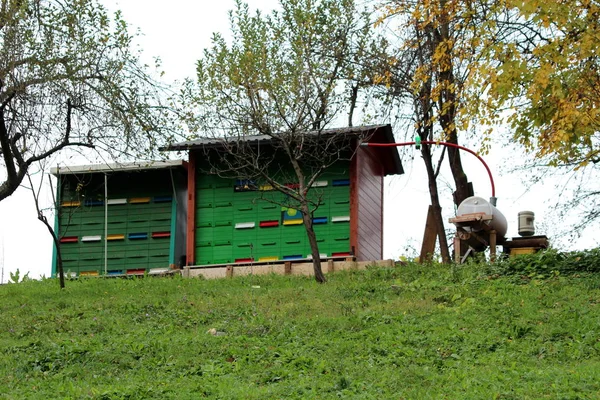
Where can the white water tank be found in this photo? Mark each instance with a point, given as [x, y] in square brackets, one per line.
[526, 223]
[475, 205]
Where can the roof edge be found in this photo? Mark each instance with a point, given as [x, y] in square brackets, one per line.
[213, 142]
[116, 167]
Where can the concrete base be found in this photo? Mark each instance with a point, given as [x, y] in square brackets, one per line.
[284, 268]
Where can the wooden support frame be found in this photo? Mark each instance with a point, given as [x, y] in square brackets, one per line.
[429, 238]
[474, 226]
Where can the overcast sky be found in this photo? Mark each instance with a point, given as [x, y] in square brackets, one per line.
[177, 31]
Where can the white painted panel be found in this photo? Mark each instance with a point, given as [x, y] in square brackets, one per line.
[95, 238]
[245, 225]
[340, 219]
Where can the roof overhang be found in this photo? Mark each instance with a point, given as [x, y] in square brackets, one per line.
[116, 167]
[374, 133]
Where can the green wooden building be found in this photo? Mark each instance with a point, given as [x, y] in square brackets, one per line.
[240, 220]
[118, 219]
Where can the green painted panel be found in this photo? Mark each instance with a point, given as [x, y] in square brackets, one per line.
[268, 234]
[163, 247]
[138, 226]
[153, 252]
[204, 235]
[161, 215]
[159, 263]
[207, 203]
[203, 243]
[340, 228]
[243, 252]
[204, 257]
[117, 226]
[120, 211]
[160, 226]
[116, 255]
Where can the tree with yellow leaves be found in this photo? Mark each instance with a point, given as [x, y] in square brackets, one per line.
[544, 79]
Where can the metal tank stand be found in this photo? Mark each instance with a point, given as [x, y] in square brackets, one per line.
[475, 230]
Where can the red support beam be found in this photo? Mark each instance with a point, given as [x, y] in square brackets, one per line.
[191, 211]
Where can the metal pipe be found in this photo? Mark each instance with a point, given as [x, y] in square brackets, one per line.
[443, 144]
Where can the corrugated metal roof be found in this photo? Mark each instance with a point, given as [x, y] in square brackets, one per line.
[215, 142]
[132, 166]
[381, 133]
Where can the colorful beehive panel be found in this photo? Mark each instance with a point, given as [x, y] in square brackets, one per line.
[244, 221]
[241, 219]
[130, 231]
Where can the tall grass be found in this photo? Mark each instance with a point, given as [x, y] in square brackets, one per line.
[410, 332]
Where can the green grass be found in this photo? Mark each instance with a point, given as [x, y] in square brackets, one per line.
[412, 332]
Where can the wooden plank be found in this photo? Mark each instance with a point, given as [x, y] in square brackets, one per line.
[190, 247]
[475, 217]
[492, 245]
[539, 242]
[457, 249]
[429, 237]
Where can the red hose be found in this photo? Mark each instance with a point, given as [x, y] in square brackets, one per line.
[443, 144]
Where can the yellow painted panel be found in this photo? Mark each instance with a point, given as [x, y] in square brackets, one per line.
[139, 200]
[522, 250]
[268, 259]
[70, 203]
[293, 222]
[88, 273]
[115, 237]
[265, 188]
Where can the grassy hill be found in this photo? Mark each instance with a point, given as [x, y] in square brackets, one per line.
[411, 332]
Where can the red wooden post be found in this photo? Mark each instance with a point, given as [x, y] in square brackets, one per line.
[191, 209]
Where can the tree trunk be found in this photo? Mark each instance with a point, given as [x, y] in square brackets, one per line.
[59, 261]
[447, 106]
[435, 202]
[314, 247]
[460, 178]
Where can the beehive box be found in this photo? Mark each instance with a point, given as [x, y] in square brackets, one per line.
[244, 221]
[132, 227]
[523, 250]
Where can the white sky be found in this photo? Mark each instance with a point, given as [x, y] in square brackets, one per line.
[177, 31]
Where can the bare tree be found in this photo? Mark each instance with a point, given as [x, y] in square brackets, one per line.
[35, 192]
[283, 77]
[69, 77]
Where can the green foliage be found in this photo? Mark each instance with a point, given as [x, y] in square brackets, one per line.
[70, 76]
[406, 332]
[550, 263]
[542, 62]
[15, 277]
[279, 73]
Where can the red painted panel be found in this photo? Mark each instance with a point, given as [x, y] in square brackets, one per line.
[266, 224]
[190, 247]
[136, 271]
[69, 239]
[342, 254]
[161, 234]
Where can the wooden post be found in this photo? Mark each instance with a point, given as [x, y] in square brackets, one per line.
[330, 266]
[287, 268]
[229, 271]
[457, 248]
[190, 247]
[429, 238]
[492, 245]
